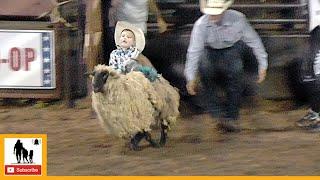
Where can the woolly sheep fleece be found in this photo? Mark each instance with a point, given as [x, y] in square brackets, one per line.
[131, 103]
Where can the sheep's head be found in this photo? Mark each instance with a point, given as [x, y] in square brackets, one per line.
[100, 75]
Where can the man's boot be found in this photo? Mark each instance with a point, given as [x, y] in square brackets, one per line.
[228, 125]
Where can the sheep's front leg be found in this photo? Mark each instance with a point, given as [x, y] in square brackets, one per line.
[152, 142]
[134, 142]
[163, 137]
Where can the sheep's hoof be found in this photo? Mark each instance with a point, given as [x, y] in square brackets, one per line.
[134, 147]
[134, 143]
[151, 141]
[155, 144]
[163, 138]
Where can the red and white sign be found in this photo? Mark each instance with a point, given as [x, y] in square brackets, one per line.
[27, 59]
[23, 156]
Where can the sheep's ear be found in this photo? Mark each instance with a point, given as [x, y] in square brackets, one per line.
[114, 74]
[89, 74]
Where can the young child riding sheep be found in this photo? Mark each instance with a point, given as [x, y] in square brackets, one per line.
[129, 98]
[130, 42]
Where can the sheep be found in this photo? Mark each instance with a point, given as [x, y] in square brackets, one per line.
[130, 105]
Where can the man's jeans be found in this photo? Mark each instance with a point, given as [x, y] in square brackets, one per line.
[224, 68]
[313, 93]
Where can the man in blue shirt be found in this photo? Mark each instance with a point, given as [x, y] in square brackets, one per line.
[220, 40]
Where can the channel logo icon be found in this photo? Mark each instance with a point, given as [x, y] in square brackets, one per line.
[23, 156]
[10, 170]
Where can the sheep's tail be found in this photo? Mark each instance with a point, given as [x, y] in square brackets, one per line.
[169, 111]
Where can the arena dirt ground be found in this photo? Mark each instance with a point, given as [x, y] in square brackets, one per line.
[269, 143]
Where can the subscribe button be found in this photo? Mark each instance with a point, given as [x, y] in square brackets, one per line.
[23, 170]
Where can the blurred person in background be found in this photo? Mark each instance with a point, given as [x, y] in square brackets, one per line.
[311, 81]
[136, 12]
[311, 71]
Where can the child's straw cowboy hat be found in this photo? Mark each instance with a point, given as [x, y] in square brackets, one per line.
[138, 34]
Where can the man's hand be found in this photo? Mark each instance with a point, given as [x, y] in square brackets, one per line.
[191, 87]
[161, 22]
[163, 26]
[262, 75]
